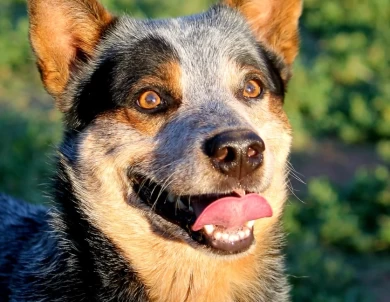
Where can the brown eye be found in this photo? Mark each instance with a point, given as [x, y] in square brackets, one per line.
[149, 100]
[252, 89]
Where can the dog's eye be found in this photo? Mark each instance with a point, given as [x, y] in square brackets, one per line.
[252, 89]
[149, 100]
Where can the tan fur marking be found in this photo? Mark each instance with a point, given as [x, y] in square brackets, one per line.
[167, 76]
[139, 121]
[275, 107]
[274, 22]
[59, 30]
[172, 75]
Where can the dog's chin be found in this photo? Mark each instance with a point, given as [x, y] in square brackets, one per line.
[182, 213]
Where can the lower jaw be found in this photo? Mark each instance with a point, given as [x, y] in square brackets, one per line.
[231, 241]
[216, 239]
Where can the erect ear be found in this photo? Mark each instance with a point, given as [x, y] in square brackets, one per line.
[274, 22]
[63, 33]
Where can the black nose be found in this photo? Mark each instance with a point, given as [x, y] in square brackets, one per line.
[236, 153]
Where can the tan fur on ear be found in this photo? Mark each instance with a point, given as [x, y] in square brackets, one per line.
[274, 22]
[61, 32]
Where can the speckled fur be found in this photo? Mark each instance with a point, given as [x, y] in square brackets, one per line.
[98, 241]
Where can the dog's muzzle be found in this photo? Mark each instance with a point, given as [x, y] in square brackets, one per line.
[222, 221]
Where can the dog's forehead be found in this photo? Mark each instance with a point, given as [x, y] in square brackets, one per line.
[199, 41]
[192, 60]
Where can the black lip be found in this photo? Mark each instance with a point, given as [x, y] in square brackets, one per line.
[153, 195]
[237, 247]
[156, 198]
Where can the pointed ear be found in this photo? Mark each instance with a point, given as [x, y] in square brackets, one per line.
[274, 22]
[63, 33]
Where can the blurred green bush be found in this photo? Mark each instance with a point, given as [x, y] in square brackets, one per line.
[27, 153]
[339, 236]
[341, 83]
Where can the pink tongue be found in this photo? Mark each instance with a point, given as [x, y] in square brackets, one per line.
[231, 211]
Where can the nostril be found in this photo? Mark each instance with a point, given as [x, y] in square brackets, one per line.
[231, 154]
[221, 154]
[255, 149]
[225, 154]
[252, 152]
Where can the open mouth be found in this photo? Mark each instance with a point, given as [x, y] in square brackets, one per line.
[222, 222]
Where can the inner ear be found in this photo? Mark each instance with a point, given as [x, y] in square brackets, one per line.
[64, 33]
[274, 23]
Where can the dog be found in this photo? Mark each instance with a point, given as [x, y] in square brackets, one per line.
[171, 176]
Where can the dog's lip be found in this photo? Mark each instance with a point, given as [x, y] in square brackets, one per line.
[180, 211]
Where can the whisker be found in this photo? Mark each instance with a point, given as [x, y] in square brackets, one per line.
[166, 183]
[294, 173]
[291, 189]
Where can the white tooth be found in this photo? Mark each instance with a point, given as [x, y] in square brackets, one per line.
[218, 235]
[250, 224]
[240, 192]
[241, 234]
[233, 238]
[171, 197]
[247, 232]
[225, 236]
[209, 228]
[191, 209]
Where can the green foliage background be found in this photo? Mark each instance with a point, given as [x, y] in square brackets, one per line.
[338, 103]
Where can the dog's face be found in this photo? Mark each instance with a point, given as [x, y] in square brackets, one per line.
[175, 128]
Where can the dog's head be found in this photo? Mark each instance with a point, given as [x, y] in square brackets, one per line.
[174, 127]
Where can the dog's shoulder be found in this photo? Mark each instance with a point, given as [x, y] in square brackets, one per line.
[20, 223]
[39, 262]
[18, 219]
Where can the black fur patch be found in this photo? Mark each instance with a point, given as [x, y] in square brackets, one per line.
[109, 87]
